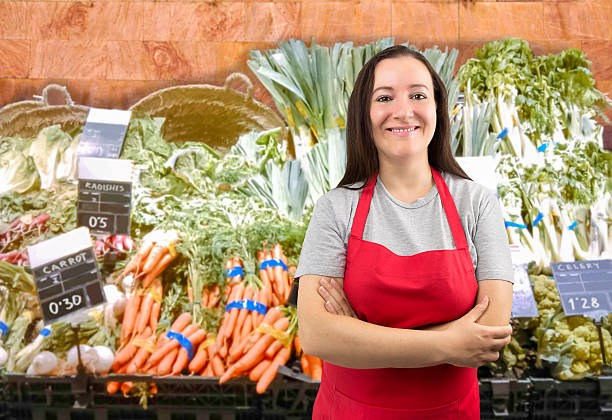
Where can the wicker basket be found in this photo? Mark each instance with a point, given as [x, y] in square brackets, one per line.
[26, 118]
[217, 115]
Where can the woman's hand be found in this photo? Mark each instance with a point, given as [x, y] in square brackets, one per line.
[332, 292]
[470, 344]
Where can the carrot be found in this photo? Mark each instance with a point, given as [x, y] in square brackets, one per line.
[155, 256]
[238, 350]
[207, 371]
[124, 355]
[253, 315]
[258, 370]
[273, 349]
[181, 322]
[316, 367]
[153, 388]
[112, 387]
[305, 365]
[181, 362]
[157, 269]
[129, 317]
[217, 366]
[297, 344]
[246, 328]
[165, 365]
[126, 387]
[231, 372]
[134, 263]
[237, 330]
[154, 317]
[233, 315]
[199, 360]
[255, 354]
[204, 298]
[144, 313]
[270, 373]
[278, 271]
[223, 329]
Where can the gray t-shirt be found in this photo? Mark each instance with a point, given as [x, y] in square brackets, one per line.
[409, 228]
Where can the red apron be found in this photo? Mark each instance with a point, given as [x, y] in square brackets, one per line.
[413, 291]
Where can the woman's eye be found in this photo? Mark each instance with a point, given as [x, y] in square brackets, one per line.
[383, 98]
[419, 96]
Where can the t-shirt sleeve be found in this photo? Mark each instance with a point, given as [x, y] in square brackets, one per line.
[491, 242]
[323, 251]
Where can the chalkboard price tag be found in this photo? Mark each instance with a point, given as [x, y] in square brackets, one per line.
[523, 301]
[103, 133]
[105, 195]
[66, 275]
[585, 287]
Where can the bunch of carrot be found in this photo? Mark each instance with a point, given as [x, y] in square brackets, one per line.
[274, 275]
[260, 354]
[154, 256]
[238, 321]
[311, 365]
[169, 354]
[141, 311]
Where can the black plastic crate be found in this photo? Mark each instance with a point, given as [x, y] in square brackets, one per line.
[290, 397]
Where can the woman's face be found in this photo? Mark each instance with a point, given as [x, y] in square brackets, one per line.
[403, 109]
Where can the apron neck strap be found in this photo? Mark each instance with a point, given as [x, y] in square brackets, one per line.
[363, 208]
[448, 204]
[452, 216]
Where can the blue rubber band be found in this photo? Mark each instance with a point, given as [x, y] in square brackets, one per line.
[273, 263]
[539, 217]
[503, 134]
[183, 341]
[516, 225]
[249, 305]
[542, 147]
[236, 271]
[45, 332]
[573, 225]
[3, 327]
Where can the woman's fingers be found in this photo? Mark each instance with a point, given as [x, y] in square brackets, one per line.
[329, 307]
[335, 299]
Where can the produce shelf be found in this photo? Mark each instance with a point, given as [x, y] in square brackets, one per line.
[290, 397]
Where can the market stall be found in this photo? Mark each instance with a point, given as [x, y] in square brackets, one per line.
[197, 265]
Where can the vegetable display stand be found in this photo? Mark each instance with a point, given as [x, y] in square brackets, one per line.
[508, 398]
[26, 118]
[184, 398]
[217, 115]
[572, 400]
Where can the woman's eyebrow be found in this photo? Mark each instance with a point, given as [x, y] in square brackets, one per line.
[412, 86]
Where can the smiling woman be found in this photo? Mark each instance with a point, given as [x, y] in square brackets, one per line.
[396, 257]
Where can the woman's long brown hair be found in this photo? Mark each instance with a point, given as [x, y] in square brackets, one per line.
[361, 154]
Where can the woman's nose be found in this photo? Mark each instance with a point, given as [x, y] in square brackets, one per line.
[403, 110]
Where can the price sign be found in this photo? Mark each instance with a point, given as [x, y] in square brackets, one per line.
[66, 275]
[103, 133]
[105, 195]
[585, 287]
[523, 301]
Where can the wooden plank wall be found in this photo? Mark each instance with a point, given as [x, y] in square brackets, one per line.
[110, 53]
